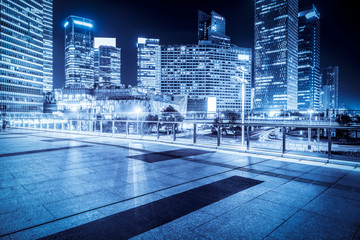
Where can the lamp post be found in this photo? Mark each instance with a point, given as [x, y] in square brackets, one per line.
[310, 111]
[243, 81]
[137, 110]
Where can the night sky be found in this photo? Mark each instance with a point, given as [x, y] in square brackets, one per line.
[175, 22]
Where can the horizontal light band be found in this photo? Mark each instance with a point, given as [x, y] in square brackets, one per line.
[83, 23]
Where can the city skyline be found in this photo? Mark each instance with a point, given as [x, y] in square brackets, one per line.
[127, 22]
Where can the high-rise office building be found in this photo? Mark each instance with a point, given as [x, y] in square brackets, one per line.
[207, 70]
[309, 83]
[48, 45]
[210, 71]
[148, 63]
[79, 52]
[25, 54]
[330, 78]
[276, 55]
[107, 62]
[211, 27]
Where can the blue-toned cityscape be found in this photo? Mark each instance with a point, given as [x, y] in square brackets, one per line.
[120, 121]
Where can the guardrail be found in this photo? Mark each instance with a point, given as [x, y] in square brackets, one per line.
[311, 140]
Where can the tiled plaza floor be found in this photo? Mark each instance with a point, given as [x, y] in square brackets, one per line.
[68, 186]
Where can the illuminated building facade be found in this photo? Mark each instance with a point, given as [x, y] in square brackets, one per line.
[48, 45]
[207, 73]
[207, 70]
[79, 52]
[107, 102]
[107, 62]
[148, 63]
[309, 85]
[276, 55]
[25, 54]
[211, 27]
[330, 78]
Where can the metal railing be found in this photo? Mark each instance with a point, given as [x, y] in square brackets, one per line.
[312, 140]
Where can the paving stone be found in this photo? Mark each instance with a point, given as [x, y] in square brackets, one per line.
[82, 203]
[300, 189]
[24, 218]
[57, 226]
[39, 190]
[306, 225]
[11, 192]
[286, 199]
[270, 208]
[343, 194]
[336, 207]
[241, 223]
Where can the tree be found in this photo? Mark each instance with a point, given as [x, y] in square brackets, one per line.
[150, 122]
[343, 119]
[231, 117]
[357, 119]
[170, 114]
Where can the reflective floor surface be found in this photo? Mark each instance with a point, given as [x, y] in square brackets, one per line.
[68, 186]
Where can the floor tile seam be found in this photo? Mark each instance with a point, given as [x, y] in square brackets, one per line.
[43, 205]
[106, 205]
[302, 208]
[332, 217]
[143, 150]
[37, 192]
[190, 236]
[226, 212]
[104, 144]
[343, 197]
[259, 172]
[357, 232]
[13, 177]
[1, 138]
[28, 176]
[13, 154]
[300, 177]
[347, 171]
[283, 176]
[298, 209]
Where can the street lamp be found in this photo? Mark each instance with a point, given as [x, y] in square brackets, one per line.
[137, 110]
[243, 81]
[310, 111]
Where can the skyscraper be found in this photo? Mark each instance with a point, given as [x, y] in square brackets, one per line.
[276, 54]
[210, 71]
[25, 54]
[330, 78]
[207, 70]
[48, 45]
[211, 27]
[107, 62]
[148, 63]
[79, 52]
[309, 85]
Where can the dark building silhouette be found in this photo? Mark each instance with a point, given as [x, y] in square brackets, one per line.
[211, 27]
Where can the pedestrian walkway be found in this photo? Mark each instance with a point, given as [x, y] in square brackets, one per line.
[69, 186]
